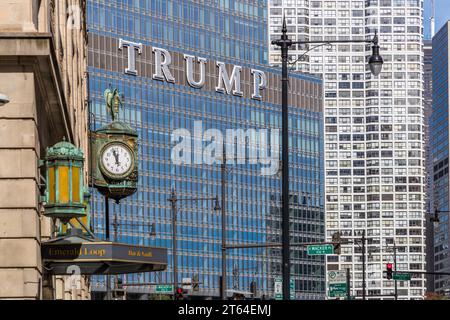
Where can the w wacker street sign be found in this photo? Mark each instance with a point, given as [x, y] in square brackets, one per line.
[164, 288]
[320, 249]
[402, 276]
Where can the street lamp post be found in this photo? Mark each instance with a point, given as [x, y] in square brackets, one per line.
[375, 63]
[223, 169]
[223, 291]
[173, 200]
[108, 283]
[436, 218]
[395, 267]
[284, 43]
[363, 245]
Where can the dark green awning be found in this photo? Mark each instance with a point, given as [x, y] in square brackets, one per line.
[98, 257]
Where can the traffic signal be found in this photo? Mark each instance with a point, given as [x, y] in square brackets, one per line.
[118, 291]
[389, 271]
[253, 288]
[119, 283]
[336, 239]
[195, 282]
[179, 293]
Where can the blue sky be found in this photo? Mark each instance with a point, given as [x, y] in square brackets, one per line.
[442, 15]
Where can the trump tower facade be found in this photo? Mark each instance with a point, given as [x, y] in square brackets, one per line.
[191, 72]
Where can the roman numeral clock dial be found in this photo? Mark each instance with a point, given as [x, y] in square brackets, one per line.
[117, 160]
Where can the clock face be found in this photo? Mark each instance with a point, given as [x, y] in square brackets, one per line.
[116, 159]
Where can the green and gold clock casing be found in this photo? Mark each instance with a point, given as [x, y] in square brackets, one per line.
[114, 159]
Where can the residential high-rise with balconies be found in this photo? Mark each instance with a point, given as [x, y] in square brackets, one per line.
[374, 131]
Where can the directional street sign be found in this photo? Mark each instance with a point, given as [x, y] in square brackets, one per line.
[279, 289]
[164, 288]
[338, 286]
[292, 289]
[336, 294]
[186, 283]
[337, 283]
[320, 249]
[402, 276]
[338, 289]
[337, 276]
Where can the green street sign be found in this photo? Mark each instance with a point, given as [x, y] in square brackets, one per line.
[337, 294]
[279, 289]
[402, 276]
[337, 290]
[338, 287]
[292, 289]
[320, 249]
[164, 288]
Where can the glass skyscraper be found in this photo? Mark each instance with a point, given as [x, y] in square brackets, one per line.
[235, 33]
[428, 99]
[439, 148]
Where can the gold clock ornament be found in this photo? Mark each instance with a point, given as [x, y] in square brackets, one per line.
[114, 154]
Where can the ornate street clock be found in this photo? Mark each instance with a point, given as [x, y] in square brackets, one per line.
[114, 154]
[117, 160]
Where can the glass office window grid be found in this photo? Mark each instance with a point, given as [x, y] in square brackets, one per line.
[227, 29]
[155, 109]
[374, 146]
[428, 99]
[439, 145]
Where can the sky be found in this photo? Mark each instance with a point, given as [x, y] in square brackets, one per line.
[442, 15]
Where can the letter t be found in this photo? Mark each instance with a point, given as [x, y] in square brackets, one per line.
[132, 46]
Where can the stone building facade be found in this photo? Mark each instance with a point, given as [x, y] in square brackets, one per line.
[43, 73]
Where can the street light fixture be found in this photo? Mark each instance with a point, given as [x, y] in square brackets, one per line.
[173, 200]
[375, 64]
[375, 60]
[4, 99]
[436, 219]
[217, 206]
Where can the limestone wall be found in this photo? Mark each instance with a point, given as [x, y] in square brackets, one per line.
[42, 71]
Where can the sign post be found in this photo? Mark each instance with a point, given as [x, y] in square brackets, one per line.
[337, 283]
[186, 283]
[292, 289]
[402, 276]
[278, 288]
[320, 249]
[164, 288]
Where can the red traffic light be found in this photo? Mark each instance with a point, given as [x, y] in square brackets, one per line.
[389, 271]
[179, 295]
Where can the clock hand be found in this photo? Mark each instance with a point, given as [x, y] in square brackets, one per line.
[116, 156]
